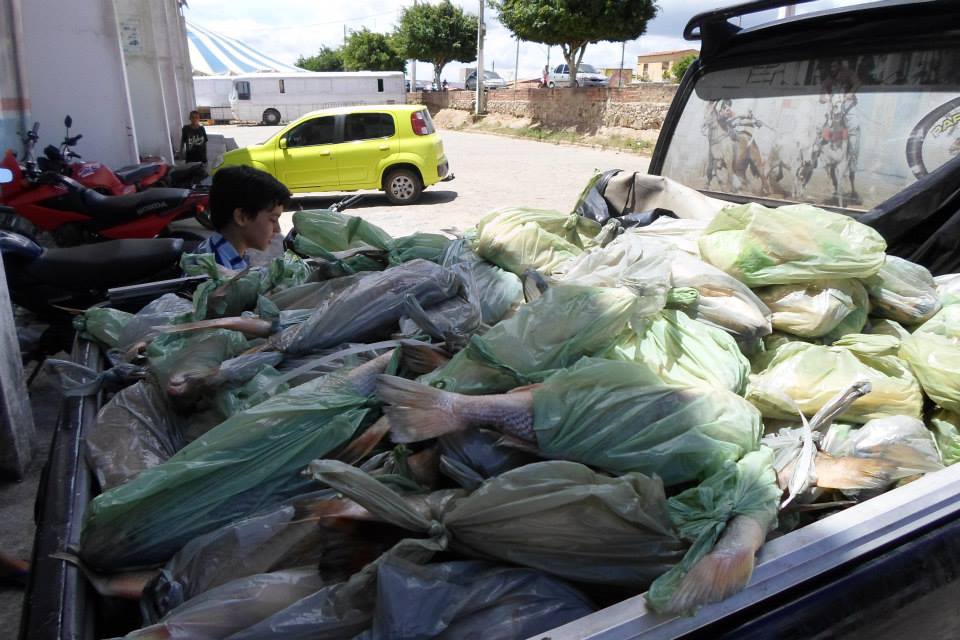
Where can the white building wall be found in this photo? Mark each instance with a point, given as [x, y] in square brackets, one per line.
[142, 50]
[74, 64]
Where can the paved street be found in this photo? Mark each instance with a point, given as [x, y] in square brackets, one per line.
[491, 172]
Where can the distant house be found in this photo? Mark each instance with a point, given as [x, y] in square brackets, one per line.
[655, 67]
[615, 73]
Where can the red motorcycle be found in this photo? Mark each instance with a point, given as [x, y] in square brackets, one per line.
[74, 214]
[122, 181]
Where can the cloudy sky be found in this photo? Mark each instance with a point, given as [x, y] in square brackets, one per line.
[285, 29]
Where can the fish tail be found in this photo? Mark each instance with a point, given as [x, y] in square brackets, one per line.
[128, 585]
[417, 412]
[852, 473]
[722, 572]
[363, 444]
[331, 509]
[422, 358]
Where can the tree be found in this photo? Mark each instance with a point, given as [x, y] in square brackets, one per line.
[327, 59]
[438, 33]
[367, 50]
[680, 67]
[573, 25]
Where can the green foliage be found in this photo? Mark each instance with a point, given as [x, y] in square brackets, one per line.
[367, 50]
[327, 59]
[438, 33]
[680, 67]
[573, 25]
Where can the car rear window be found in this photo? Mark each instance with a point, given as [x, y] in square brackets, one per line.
[313, 132]
[366, 126]
[846, 132]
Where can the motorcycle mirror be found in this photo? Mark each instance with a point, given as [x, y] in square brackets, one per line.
[6, 176]
[68, 122]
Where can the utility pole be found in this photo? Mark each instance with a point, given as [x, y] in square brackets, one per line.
[344, 34]
[623, 51]
[481, 30]
[516, 69]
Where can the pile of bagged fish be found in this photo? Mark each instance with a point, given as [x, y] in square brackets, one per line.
[434, 436]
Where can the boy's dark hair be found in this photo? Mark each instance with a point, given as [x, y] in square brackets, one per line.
[244, 188]
[194, 113]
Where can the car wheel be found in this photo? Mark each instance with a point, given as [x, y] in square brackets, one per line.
[271, 117]
[402, 186]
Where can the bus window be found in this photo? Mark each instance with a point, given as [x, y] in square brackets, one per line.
[282, 90]
[380, 85]
[243, 89]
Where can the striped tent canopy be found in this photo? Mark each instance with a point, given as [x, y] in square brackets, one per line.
[215, 54]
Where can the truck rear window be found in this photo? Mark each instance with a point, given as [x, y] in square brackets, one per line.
[845, 132]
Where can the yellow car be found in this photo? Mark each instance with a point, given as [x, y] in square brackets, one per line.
[393, 148]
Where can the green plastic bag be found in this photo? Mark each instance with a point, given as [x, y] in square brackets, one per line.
[618, 416]
[103, 325]
[933, 351]
[945, 426]
[903, 291]
[554, 331]
[684, 352]
[745, 488]
[250, 462]
[335, 231]
[814, 309]
[173, 357]
[870, 344]
[517, 239]
[426, 246]
[498, 290]
[807, 376]
[560, 517]
[795, 243]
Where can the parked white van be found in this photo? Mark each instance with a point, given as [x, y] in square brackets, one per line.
[272, 98]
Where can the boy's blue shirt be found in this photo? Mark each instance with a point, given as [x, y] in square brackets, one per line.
[224, 252]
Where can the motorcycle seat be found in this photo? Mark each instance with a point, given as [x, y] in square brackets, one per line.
[107, 264]
[135, 173]
[132, 205]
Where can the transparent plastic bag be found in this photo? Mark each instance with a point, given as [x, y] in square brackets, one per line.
[933, 351]
[684, 352]
[517, 238]
[795, 243]
[369, 307]
[811, 309]
[136, 430]
[807, 376]
[903, 291]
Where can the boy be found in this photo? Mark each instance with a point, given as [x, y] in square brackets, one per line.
[193, 140]
[245, 208]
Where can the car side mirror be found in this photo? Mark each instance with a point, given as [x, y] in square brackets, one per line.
[6, 176]
[283, 143]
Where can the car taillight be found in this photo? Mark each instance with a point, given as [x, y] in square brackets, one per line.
[419, 123]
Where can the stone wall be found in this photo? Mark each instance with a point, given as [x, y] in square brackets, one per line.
[585, 109]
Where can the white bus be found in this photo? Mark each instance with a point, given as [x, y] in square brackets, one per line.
[213, 96]
[272, 98]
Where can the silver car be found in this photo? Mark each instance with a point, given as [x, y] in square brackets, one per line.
[491, 80]
[587, 76]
